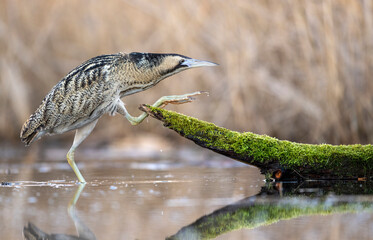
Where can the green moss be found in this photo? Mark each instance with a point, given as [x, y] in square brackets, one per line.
[261, 214]
[262, 150]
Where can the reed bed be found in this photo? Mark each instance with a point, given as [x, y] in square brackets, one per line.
[296, 70]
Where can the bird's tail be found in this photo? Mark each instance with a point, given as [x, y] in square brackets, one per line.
[32, 127]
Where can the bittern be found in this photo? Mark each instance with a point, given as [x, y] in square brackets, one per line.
[96, 87]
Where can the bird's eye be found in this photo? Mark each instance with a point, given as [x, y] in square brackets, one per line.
[181, 61]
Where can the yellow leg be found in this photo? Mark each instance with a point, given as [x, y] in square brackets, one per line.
[163, 101]
[70, 160]
[80, 135]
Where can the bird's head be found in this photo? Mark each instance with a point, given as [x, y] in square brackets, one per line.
[165, 65]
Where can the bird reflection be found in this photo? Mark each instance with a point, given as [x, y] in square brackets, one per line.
[32, 232]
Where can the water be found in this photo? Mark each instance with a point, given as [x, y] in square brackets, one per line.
[156, 199]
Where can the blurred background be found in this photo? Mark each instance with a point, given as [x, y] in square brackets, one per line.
[295, 70]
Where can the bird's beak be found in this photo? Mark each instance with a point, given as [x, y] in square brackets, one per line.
[192, 63]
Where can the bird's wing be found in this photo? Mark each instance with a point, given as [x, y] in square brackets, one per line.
[73, 100]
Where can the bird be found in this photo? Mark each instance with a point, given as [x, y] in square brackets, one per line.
[32, 232]
[96, 87]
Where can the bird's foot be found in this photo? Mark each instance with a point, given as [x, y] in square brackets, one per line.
[163, 101]
[180, 99]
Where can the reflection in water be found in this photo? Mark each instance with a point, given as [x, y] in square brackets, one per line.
[281, 201]
[122, 203]
[31, 231]
[119, 202]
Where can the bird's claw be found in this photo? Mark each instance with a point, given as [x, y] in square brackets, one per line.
[180, 99]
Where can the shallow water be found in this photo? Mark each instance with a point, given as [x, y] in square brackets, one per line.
[155, 199]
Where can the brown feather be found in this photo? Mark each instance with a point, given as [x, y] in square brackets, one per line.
[91, 89]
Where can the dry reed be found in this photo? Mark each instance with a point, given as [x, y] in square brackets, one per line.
[296, 70]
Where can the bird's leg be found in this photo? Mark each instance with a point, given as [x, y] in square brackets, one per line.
[163, 101]
[80, 135]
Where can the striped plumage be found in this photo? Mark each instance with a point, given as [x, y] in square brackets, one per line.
[96, 87]
[75, 97]
[90, 90]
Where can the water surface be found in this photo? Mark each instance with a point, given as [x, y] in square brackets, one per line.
[156, 199]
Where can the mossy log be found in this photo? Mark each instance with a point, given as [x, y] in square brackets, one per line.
[278, 159]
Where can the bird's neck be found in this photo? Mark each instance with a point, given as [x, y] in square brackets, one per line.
[135, 81]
